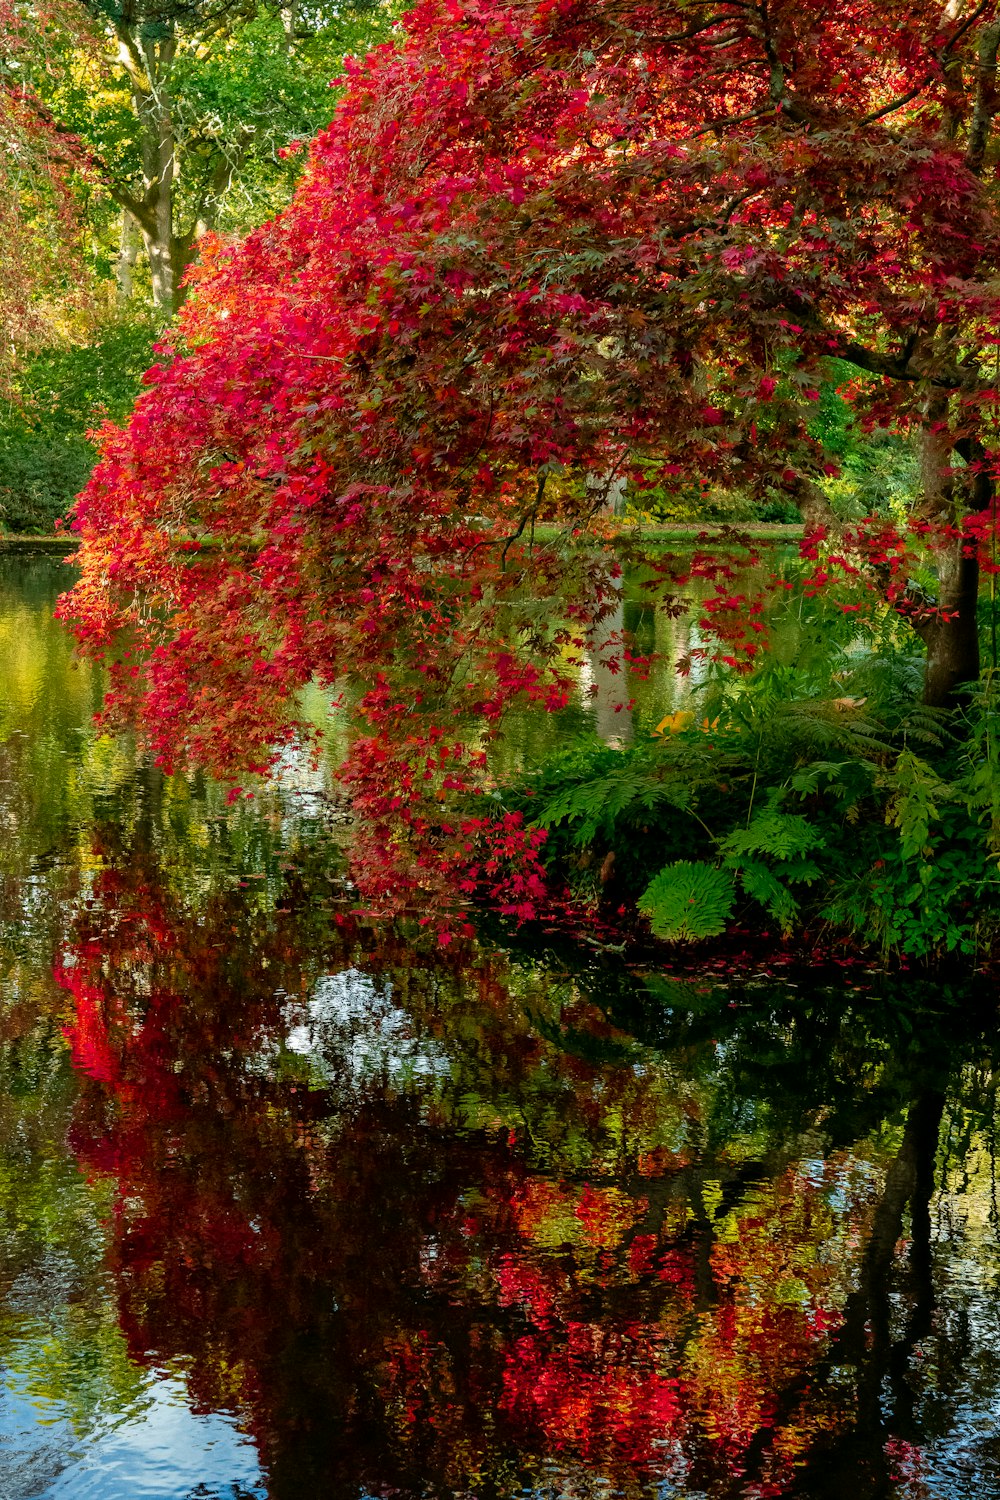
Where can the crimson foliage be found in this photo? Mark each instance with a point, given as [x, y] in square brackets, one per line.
[543, 245]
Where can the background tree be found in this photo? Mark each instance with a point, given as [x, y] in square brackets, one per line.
[38, 224]
[94, 93]
[178, 103]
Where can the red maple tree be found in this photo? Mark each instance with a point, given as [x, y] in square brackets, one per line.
[544, 246]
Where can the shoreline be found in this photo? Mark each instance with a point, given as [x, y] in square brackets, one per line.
[58, 544]
[635, 533]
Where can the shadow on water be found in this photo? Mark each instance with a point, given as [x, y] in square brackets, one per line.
[293, 1206]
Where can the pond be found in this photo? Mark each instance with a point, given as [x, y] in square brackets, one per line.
[294, 1206]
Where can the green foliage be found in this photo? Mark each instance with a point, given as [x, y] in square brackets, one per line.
[916, 796]
[60, 394]
[981, 760]
[879, 471]
[822, 798]
[771, 855]
[39, 477]
[67, 389]
[687, 902]
[246, 82]
[626, 791]
[596, 801]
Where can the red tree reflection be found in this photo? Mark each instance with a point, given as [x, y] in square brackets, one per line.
[424, 1250]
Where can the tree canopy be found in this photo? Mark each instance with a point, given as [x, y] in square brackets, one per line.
[38, 218]
[177, 104]
[543, 245]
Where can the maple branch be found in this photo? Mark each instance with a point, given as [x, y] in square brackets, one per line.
[911, 94]
[973, 453]
[692, 31]
[713, 125]
[728, 40]
[735, 203]
[888, 109]
[777, 83]
[892, 366]
[970, 20]
[529, 515]
[777, 86]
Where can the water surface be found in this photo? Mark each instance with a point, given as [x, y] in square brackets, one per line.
[292, 1206]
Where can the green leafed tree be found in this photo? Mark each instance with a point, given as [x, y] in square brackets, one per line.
[190, 112]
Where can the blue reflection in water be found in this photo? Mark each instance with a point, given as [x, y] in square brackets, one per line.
[158, 1448]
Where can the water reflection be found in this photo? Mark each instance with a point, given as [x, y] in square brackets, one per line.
[294, 1206]
[476, 1224]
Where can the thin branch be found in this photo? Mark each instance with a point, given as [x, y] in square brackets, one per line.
[888, 109]
[691, 33]
[714, 125]
[529, 515]
[970, 20]
[953, 40]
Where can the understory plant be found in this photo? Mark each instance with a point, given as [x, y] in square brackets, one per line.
[809, 798]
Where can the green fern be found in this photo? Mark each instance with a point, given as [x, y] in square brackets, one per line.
[771, 855]
[848, 782]
[762, 885]
[773, 832]
[689, 901]
[928, 726]
[980, 779]
[594, 806]
[918, 795]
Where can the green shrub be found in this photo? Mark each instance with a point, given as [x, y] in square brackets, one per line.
[39, 477]
[61, 394]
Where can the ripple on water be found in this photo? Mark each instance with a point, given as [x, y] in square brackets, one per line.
[159, 1449]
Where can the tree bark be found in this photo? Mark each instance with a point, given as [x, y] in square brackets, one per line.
[952, 638]
[160, 235]
[606, 677]
[127, 255]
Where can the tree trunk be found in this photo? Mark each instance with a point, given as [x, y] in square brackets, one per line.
[952, 639]
[127, 255]
[159, 167]
[952, 635]
[158, 235]
[607, 678]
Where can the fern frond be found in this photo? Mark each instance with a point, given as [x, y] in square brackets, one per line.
[778, 834]
[594, 806]
[850, 780]
[689, 901]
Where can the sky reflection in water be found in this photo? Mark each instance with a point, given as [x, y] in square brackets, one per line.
[291, 1207]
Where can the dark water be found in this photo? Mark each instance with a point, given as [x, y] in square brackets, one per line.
[291, 1207]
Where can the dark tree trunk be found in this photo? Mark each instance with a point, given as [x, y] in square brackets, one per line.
[951, 490]
[952, 639]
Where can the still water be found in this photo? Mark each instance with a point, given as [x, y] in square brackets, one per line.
[298, 1208]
